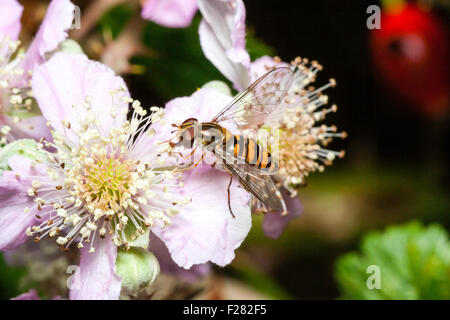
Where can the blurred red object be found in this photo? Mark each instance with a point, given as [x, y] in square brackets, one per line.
[410, 53]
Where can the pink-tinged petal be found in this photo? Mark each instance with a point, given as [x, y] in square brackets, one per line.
[68, 79]
[274, 223]
[204, 230]
[260, 66]
[167, 265]
[30, 295]
[53, 30]
[10, 14]
[222, 37]
[170, 13]
[96, 278]
[13, 219]
[14, 199]
[33, 127]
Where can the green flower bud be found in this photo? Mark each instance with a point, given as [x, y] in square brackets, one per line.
[137, 267]
[219, 86]
[67, 46]
[27, 148]
[70, 46]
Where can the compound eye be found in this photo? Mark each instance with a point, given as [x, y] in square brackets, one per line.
[190, 133]
[187, 138]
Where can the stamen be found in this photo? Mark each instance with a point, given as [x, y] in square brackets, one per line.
[12, 98]
[300, 142]
[101, 185]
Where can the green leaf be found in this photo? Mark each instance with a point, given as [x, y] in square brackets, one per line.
[175, 72]
[115, 19]
[179, 72]
[10, 280]
[414, 263]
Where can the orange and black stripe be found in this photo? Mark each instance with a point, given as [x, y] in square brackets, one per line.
[249, 151]
[265, 162]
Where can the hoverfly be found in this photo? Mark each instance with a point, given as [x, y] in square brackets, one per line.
[243, 157]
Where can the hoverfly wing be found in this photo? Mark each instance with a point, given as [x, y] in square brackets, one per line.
[259, 185]
[256, 103]
[251, 179]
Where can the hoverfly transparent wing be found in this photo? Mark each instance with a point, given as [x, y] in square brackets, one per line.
[260, 186]
[254, 105]
[251, 179]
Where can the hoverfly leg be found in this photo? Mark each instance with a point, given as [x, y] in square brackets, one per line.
[229, 197]
[192, 166]
[190, 155]
[199, 161]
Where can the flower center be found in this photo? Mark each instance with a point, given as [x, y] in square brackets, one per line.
[104, 182]
[101, 184]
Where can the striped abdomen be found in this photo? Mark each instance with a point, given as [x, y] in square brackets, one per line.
[249, 151]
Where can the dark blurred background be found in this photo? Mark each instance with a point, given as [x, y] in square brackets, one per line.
[394, 154]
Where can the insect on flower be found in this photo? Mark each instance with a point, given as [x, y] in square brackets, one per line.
[243, 157]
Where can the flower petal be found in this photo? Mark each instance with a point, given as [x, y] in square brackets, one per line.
[167, 265]
[67, 80]
[30, 295]
[96, 278]
[222, 37]
[14, 199]
[259, 67]
[10, 14]
[170, 13]
[52, 31]
[274, 223]
[33, 127]
[204, 230]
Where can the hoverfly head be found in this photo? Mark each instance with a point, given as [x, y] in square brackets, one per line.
[187, 133]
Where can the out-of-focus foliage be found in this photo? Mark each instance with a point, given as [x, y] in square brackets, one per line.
[173, 73]
[115, 20]
[9, 280]
[259, 281]
[414, 262]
